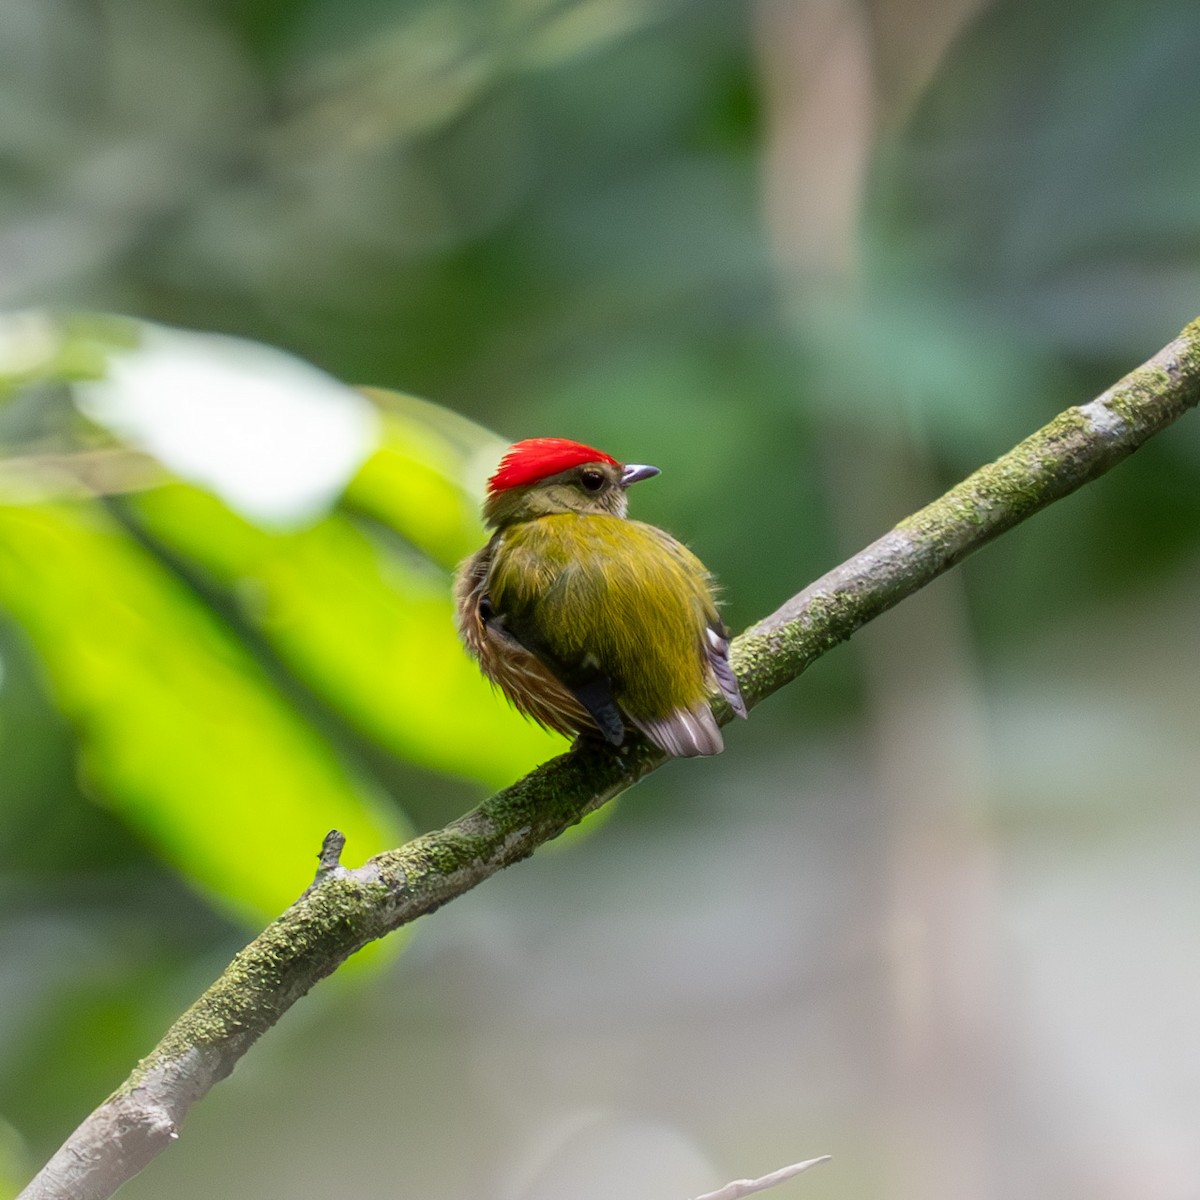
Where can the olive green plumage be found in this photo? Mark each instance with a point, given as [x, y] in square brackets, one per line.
[587, 620]
[621, 592]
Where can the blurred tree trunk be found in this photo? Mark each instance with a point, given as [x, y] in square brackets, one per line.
[828, 85]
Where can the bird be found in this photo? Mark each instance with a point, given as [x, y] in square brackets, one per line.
[589, 622]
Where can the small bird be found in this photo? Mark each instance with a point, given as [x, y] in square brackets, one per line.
[587, 621]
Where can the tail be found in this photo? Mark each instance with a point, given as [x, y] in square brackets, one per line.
[685, 733]
[689, 732]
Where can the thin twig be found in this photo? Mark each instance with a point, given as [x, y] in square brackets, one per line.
[329, 861]
[331, 853]
[347, 908]
[740, 1188]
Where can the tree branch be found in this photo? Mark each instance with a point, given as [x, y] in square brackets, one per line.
[345, 908]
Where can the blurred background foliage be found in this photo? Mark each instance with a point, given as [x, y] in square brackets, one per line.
[934, 911]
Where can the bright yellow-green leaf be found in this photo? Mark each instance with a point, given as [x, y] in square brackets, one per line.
[425, 479]
[13, 1165]
[180, 729]
[367, 624]
[357, 602]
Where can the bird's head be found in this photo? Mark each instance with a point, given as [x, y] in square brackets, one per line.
[553, 475]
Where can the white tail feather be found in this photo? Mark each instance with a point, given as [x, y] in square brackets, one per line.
[685, 733]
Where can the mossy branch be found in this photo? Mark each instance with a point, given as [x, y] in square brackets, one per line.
[347, 908]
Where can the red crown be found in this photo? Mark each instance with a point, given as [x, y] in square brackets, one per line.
[538, 458]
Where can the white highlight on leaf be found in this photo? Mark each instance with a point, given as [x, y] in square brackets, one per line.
[273, 436]
[747, 1187]
[28, 340]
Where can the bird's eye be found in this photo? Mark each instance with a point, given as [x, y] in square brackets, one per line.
[592, 481]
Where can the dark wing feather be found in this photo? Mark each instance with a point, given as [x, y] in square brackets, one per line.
[586, 682]
[717, 650]
[596, 696]
[523, 677]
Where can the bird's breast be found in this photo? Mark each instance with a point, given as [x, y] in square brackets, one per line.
[622, 593]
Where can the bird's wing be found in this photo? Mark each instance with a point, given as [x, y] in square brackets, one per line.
[590, 686]
[716, 649]
[514, 595]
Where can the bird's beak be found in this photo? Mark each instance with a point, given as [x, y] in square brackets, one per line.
[635, 473]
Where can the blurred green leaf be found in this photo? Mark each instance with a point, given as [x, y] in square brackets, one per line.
[1048, 179]
[14, 1169]
[180, 730]
[367, 625]
[37, 347]
[356, 603]
[563, 32]
[425, 479]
